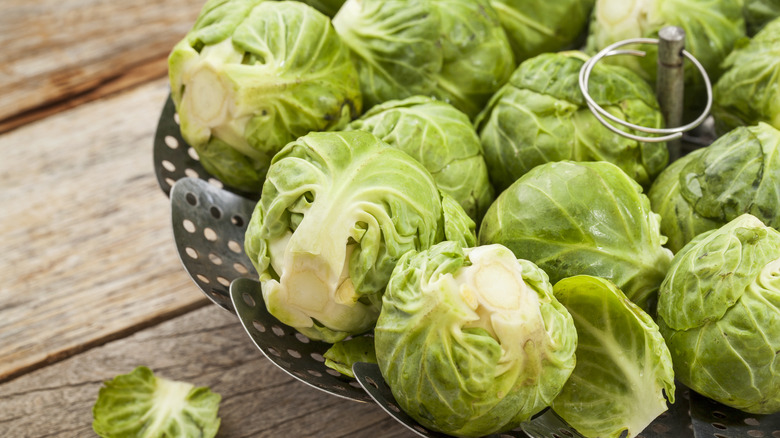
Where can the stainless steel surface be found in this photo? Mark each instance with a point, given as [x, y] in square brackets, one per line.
[670, 81]
[208, 227]
[297, 355]
[660, 135]
[714, 420]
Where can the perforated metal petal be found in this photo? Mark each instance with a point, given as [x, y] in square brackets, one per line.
[296, 354]
[209, 226]
[714, 420]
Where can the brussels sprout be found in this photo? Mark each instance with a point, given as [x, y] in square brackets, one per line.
[758, 13]
[140, 404]
[539, 26]
[711, 29]
[454, 50]
[749, 90]
[540, 116]
[588, 218]
[343, 354]
[472, 341]
[251, 76]
[738, 173]
[623, 365]
[442, 139]
[337, 211]
[719, 311]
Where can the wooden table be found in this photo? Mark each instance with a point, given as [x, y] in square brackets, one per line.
[90, 282]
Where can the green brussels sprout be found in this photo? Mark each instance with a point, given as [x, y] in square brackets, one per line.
[253, 75]
[582, 218]
[711, 29]
[719, 311]
[472, 341]
[623, 365]
[738, 173]
[749, 90]
[539, 26]
[758, 13]
[440, 137]
[454, 50]
[540, 115]
[140, 404]
[337, 212]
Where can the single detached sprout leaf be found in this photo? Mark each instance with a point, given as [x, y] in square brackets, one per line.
[139, 404]
[343, 354]
[623, 365]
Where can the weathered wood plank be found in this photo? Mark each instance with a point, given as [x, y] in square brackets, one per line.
[87, 252]
[207, 347]
[59, 54]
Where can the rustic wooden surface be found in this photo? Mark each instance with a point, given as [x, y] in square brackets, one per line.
[90, 282]
[205, 347]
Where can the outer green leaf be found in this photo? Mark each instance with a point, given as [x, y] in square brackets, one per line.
[623, 365]
[338, 210]
[540, 116]
[343, 354]
[538, 26]
[252, 76]
[140, 405]
[440, 137]
[327, 7]
[738, 173]
[472, 341]
[719, 311]
[749, 90]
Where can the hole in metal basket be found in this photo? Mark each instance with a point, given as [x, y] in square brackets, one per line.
[171, 142]
[170, 167]
[354, 384]
[248, 300]
[318, 357]
[776, 434]
[258, 326]
[213, 258]
[718, 414]
[659, 428]
[333, 372]
[393, 407]
[216, 213]
[234, 246]
[210, 234]
[216, 183]
[751, 421]
[555, 435]
[170, 182]
[420, 429]
[717, 435]
[240, 268]
[203, 279]
[372, 382]
[314, 373]
[191, 173]
[756, 433]
[719, 426]
[237, 220]
[191, 199]
[566, 432]
[277, 331]
[294, 353]
[188, 225]
[193, 154]
[274, 351]
[191, 252]
[223, 281]
[176, 118]
[302, 338]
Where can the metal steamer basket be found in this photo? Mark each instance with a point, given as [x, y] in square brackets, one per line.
[209, 222]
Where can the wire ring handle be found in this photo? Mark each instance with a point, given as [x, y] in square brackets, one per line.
[667, 134]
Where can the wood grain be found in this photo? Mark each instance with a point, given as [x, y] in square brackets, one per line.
[207, 347]
[87, 253]
[57, 55]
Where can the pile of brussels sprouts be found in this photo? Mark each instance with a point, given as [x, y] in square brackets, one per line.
[436, 196]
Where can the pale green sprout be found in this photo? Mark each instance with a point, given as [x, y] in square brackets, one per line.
[738, 173]
[440, 137]
[337, 211]
[719, 311]
[589, 218]
[140, 404]
[540, 115]
[472, 341]
[253, 75]
[624, 368]
[749, 90]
